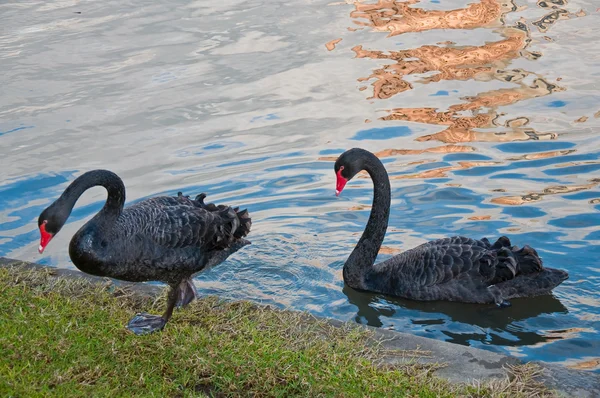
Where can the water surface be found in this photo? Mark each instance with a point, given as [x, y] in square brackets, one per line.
[485, 114]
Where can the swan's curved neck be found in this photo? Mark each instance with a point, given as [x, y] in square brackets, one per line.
[362, 258]
[107, 179]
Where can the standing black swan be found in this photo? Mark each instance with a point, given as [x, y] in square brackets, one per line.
[453, 269]
[165, 239]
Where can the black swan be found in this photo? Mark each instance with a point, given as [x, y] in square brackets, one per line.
[165, 239]
[452, 269]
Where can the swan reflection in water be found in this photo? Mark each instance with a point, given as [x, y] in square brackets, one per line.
[373, 307]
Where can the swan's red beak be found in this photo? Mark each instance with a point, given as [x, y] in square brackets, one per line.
[45, 238]
[341, 183]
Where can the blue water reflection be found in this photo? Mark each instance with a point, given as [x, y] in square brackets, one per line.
[242, 101]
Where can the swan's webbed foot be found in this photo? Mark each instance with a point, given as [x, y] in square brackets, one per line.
[504, 304]
[181, 295]
[144, 323]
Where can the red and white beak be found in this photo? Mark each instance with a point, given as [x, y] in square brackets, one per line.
[341, 183]
[45, 237]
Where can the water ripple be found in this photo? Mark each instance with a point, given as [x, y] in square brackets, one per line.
[485, 115]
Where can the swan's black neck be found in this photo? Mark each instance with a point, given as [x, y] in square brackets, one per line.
[361, 261]
[107, 179]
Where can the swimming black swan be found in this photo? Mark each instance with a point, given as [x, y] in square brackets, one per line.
[452, 269]
[165, 239]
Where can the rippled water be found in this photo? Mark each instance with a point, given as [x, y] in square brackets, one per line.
[485, 114]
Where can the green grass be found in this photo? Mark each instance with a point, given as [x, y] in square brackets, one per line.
[65, 337]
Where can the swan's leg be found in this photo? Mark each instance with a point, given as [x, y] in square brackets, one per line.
[504, 304]
[495, 294]
[172, 299]
[186, 293]
[144, 323]
[498, 299]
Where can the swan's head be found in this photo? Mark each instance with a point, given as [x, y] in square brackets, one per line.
[347, 166]
[50, 222]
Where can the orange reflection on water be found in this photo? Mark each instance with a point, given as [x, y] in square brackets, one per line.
[552, 190]
[330, 45]
[476, 118]
[397, 17]
[587, 364]
[389, 250]
[508, 96]
[480, 218]
[461, 128]
[484, 62]
[565, 333]
[543, 155]
[442, 171]
[437, 149]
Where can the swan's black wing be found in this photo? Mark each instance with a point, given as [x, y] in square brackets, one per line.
[178, 222]
[465, 270]
[440, 261]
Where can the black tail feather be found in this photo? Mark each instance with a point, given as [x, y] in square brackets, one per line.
[239, 222]
[245, 224]
[513, 261]
[236, 224]
[502, 241]
[528, 259]
[507, 266]
[520, 273]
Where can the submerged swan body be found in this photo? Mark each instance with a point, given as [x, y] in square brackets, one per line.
[452, 269]
[166, 239]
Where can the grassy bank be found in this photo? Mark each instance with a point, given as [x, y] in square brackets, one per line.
[65, 337]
